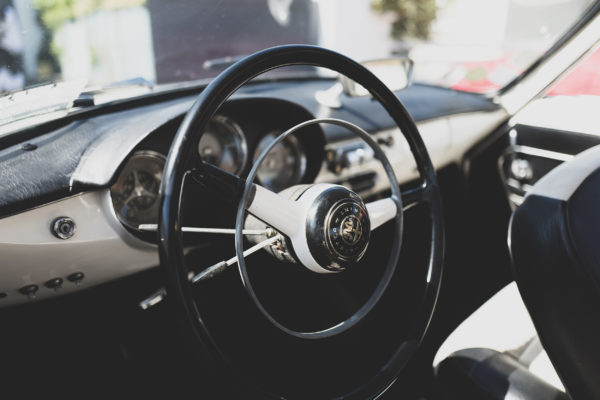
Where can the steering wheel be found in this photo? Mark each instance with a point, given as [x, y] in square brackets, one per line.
[323, 227]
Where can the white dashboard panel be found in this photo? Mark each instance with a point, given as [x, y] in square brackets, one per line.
[103, 250]
[447, 139]
[566, 113]
[100, 248]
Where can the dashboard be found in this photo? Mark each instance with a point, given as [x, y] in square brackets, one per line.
[74, 192]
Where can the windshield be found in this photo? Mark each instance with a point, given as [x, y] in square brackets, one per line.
[470, 45]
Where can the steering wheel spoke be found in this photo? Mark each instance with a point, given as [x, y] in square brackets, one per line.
[280, 213]
[384, 210]
[381, 211]
[226, 186]
[275, 210]
[217, 231]
[418, 195]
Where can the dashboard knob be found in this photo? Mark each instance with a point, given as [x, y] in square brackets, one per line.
[29, 290]
[55, 283]
[76, 277]
[521, 169]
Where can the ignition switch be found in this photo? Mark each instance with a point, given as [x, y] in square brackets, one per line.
[63, 227]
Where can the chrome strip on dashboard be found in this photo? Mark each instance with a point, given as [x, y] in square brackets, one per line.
[534, 151]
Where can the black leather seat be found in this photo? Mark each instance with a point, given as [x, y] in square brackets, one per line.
[490, 375]
[496, 354]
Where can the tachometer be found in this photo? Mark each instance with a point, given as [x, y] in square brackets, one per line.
[223, 144]
[135, 194]
[285, 164]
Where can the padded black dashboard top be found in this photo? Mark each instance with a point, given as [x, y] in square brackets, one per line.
[53, 170]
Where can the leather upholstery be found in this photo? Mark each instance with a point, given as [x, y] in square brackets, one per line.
[487, 374]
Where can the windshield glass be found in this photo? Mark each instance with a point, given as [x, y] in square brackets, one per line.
[470, 45]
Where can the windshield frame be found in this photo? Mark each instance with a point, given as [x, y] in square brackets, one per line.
[587, 16]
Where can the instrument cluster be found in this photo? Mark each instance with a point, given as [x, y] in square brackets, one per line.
[224, 144]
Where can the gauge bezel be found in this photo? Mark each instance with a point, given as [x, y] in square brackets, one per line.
[144, 154]
[299, 150]
[238, 136]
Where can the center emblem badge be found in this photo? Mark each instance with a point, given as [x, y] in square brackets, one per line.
[351, 230]
[347, 230]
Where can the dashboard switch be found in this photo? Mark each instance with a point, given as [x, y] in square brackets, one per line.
[348, 157]
[55, 283]
[386, 141]
[29, 290]
[29, 147]
[76, 277]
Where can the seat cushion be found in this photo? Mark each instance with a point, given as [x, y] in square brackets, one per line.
[487, 374]
[502, 324]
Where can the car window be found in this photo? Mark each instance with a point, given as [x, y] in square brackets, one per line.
[582, 79]
[470, 45]
[480, 46]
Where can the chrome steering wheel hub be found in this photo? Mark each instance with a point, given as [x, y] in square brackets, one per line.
[337, 228]
[347, 230]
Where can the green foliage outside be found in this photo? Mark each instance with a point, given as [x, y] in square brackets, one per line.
[413, 17]
[54, 13]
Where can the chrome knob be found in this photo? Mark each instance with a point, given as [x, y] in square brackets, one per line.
[521, 169]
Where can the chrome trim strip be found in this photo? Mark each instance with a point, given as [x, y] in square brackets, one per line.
[534, 151]
[515, 184]
[516, 199]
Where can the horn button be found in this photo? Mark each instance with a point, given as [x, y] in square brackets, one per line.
[337, 229]
[344, 230]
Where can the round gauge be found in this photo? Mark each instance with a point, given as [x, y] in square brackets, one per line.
[285, 164]
[223, 144]
[135, 194]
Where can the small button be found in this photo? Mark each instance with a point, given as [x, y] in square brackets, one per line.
[55, 283]
[76, 277]
[3, 295]
[29, 290]
[29, 147]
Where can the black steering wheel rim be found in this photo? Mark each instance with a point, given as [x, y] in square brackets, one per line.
[182, 149]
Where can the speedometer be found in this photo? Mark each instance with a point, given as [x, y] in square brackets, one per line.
[135, 193]
[223, 144]
[285, 164]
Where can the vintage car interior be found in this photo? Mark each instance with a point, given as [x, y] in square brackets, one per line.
[308, 235]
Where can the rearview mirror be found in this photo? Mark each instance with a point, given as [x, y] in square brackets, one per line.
[395, 73]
